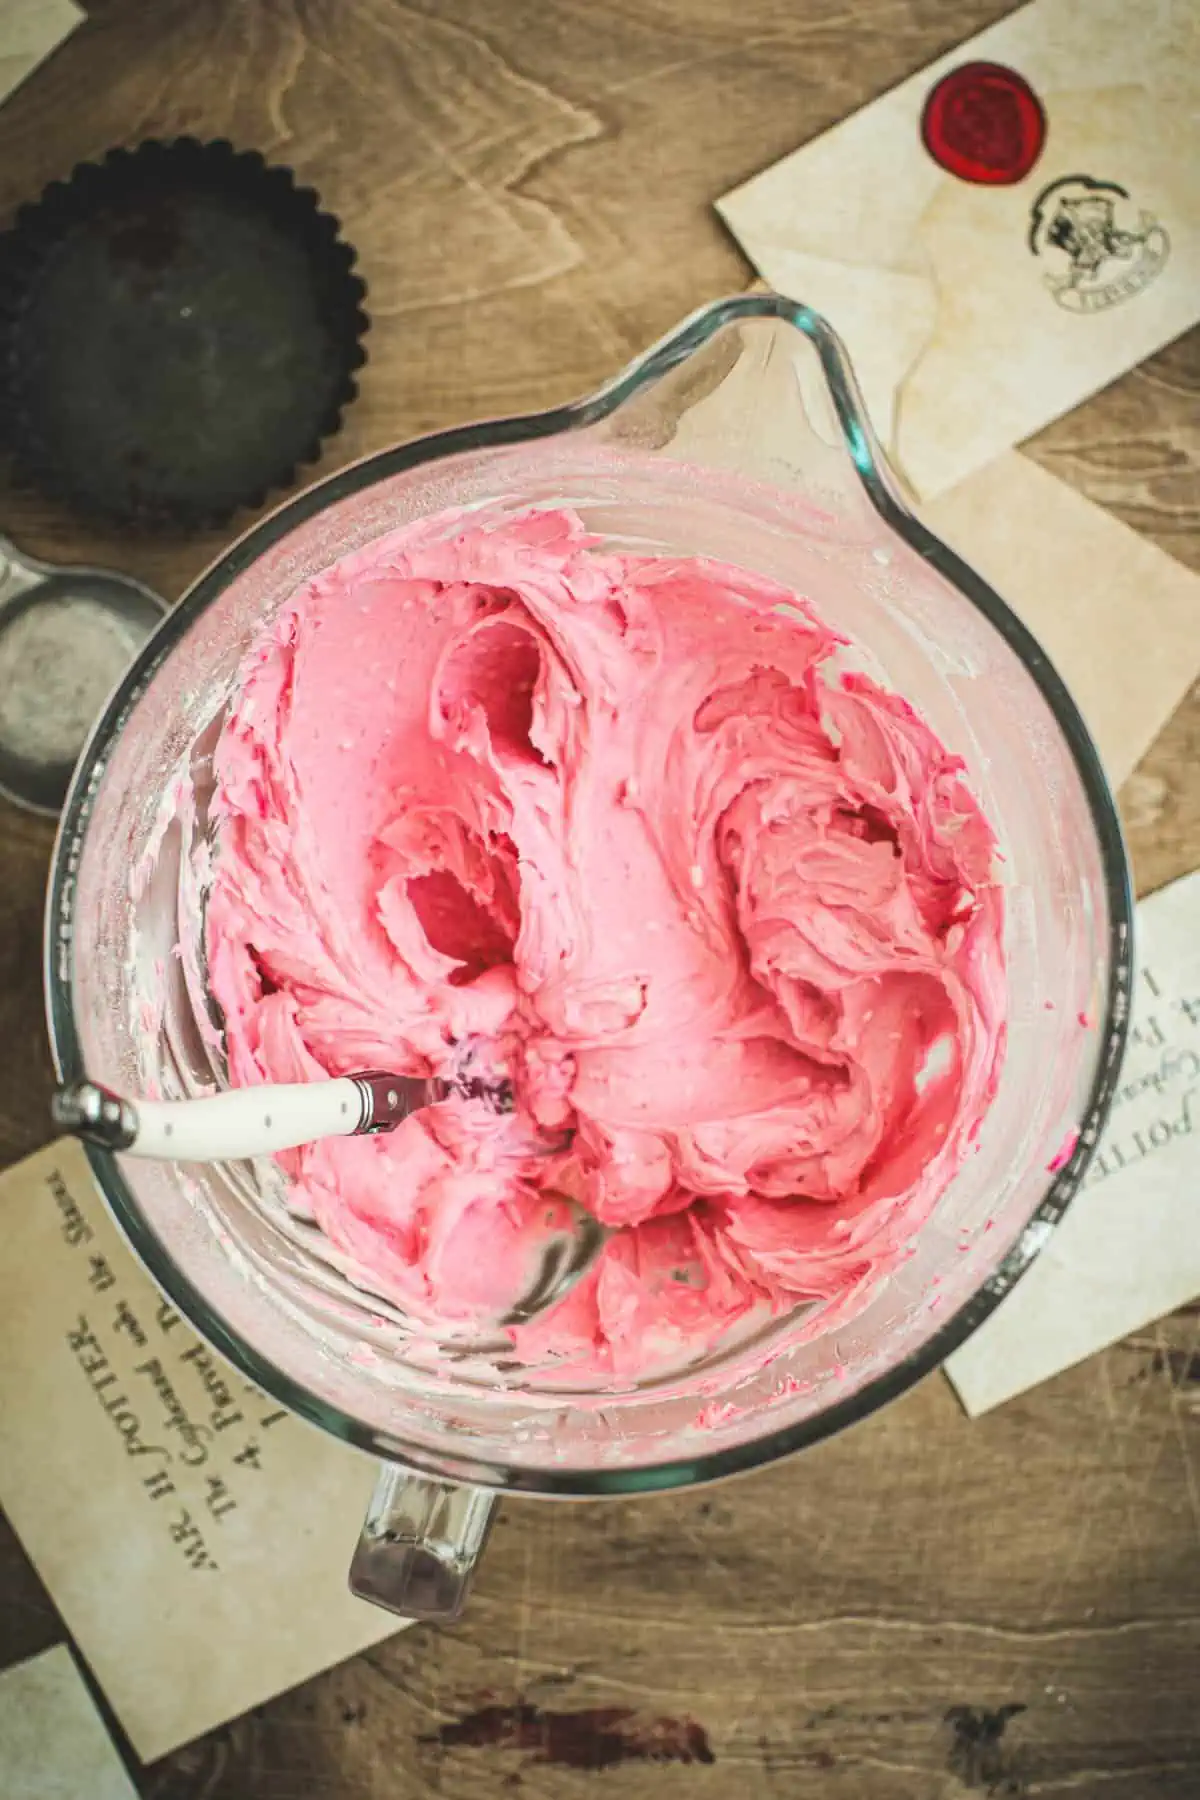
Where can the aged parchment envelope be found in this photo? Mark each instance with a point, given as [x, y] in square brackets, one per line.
[53, 1745]
[29, 31]
[975, 314]
[1128, 1250]
[1119, 618]
[194, 1537]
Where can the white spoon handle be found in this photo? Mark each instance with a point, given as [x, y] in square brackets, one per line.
[245, 1121]
[252, 1121]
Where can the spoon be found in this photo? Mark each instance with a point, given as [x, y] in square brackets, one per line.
[256, 1121]
[250, 1121]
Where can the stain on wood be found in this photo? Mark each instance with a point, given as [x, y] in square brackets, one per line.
[597, 1737]
[978, 1754]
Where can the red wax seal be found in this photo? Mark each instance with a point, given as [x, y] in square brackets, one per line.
[985, 124]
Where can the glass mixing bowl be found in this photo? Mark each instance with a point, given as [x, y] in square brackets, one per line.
[741, 437]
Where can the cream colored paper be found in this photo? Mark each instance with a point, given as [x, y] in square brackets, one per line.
[29, 31]
[1128, 1250]
[194, 1537]
[962, 343]
[53, 1745]
[1119, 618]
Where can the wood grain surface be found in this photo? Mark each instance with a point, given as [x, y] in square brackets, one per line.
[925, 1608]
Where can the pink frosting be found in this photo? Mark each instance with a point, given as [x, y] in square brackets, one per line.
[610, 829]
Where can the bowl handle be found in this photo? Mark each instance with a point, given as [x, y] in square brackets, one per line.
[420, 1543]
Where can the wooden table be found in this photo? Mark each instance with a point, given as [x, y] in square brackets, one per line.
[924, 1608]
